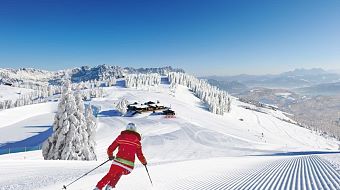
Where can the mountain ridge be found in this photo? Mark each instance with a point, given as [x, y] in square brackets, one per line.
[297, 78]
[77, 74]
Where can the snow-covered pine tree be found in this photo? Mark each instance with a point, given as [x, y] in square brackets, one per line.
[228, 108]
[50, 90]
[172, 89]
[121, 105]
[79, 100]
[111, 81]
[69, 140]
[88, 150]
[2, 105]
[91, 131]
[9, 104]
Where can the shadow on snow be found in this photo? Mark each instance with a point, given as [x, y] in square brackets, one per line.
[109, 113]
[33, 142]
[120, 83]
[165, 80]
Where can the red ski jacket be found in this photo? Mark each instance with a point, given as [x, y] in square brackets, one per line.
[129, 145]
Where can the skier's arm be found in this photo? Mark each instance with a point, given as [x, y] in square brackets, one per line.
[140, 155]
[112, 148]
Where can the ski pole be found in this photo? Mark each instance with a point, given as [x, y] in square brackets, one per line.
[147, 171]
[65, 186]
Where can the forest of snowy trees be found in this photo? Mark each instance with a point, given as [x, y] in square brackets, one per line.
[217, 100]
[73, 133]
[89, 89]
[142, 80]
[90, 80]
[322, 126]
[38, 95]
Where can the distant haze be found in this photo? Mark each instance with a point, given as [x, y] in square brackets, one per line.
[301, 71]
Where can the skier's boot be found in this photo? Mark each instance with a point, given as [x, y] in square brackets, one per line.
[96, 188]
[108, 187]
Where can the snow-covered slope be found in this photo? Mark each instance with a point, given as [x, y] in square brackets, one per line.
[14, 115]
[12, 93]
[195, 150]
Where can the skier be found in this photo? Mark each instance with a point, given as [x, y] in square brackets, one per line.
[129, 145]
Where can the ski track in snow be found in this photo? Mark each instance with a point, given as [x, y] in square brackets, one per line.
[24, 175]
[296, 173]
[308, 172]
[285, 132]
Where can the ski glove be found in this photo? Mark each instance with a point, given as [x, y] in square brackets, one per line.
[111, 157]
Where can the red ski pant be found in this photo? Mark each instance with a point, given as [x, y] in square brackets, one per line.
[112, 177]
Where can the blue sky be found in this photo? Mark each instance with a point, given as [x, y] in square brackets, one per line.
[204, 37]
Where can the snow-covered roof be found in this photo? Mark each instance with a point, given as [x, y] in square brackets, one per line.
[141, 106]
[149, 102]
[154, 105]
[168, 111]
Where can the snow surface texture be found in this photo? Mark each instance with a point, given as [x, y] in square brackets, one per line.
[12, 93]
[334, 160]
[195, 150]
[265, 172]
[11, 116]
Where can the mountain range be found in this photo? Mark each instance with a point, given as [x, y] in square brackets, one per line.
[83, 73]
[298, 78]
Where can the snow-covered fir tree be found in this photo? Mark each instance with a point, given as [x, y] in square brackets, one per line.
[88, 148]
[79, 100]
[218, 101]
[172, 89]
[6, 104]
[50, 90]
[69, 140]
[111, 81]
[121, 105]
[91, 131]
